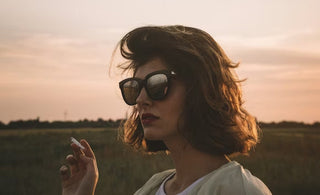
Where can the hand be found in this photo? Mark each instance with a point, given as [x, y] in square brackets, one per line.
[83, 175]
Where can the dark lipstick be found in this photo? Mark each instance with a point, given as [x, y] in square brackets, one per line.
[148, 118]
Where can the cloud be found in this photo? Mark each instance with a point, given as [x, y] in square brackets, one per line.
[305, 40]
[44, 74]
[48, 56]
[298, 48]
[275, 56]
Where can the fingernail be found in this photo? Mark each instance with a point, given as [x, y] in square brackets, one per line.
[63, 169]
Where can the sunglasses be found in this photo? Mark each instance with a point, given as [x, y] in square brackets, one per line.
[156, 85]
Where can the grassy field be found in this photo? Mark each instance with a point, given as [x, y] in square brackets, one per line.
[287, 161]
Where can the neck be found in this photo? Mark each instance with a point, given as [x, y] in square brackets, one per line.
[190, 163]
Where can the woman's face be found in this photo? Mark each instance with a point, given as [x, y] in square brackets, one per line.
[159, 118]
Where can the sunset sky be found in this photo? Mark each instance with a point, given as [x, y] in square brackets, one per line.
[54, 55]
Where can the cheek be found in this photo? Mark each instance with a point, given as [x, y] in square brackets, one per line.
[172, 116]
[172, 108]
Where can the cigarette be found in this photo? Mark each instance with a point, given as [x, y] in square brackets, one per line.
[73, 140]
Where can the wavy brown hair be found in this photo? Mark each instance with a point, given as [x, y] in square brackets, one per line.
[213, 120]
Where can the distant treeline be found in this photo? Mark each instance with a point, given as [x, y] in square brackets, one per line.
[289, 124]
[37, 124]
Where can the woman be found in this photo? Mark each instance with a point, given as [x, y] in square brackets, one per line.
[186, 100]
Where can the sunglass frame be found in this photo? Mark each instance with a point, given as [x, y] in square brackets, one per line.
[142, 83]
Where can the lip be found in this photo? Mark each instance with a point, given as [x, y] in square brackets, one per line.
[148, 118]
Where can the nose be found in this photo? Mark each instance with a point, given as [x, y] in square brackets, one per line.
[143, 99]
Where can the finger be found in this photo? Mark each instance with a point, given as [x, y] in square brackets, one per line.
[64, 173]
[85, 159]
[88, 150]
[71, 159]
[73, 164]
[91, 165]
[76, 150]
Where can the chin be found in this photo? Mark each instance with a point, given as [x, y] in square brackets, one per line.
[151, 135]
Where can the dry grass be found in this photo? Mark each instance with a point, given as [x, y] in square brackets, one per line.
[287, 161]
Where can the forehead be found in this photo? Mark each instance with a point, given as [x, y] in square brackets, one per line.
[149, 67]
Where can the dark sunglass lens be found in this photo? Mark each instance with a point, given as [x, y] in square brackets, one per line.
[130, 91]
[157, 86]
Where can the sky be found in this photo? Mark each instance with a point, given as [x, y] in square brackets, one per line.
[55, 55]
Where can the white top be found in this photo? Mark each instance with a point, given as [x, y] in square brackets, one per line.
[229, 179]
[161, 190]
